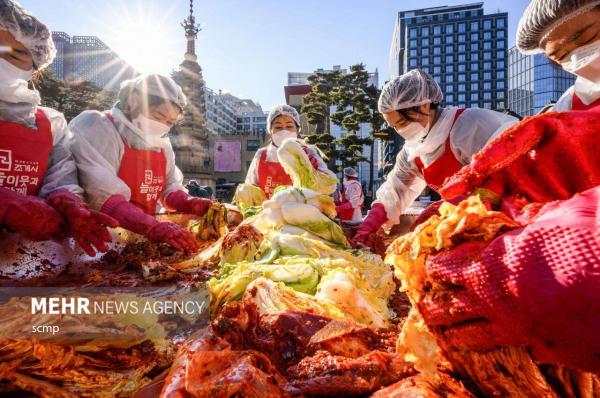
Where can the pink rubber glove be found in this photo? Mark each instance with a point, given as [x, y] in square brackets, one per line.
[371, 224]
[313, 160]
[537, 286]
[29, 216]
[184, 203]
[134, 219]
[88, 227]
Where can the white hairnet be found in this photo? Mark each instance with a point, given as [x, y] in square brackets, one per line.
[29, 31]
[279, 110]
[157, 86]
[350, 172]
[543, 16]
[413, 88]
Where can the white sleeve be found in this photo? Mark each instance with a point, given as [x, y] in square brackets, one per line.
[61, 172]
[474, 128]
[401, 187]
[322, 166]
[174, 175]
[98, 149]
[252, 176]
[354, 194]
[565, 102]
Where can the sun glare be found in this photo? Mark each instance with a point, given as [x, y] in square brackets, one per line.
[146, 36]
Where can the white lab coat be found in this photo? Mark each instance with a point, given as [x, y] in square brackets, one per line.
[98, 147]
[61, 172]
[472, 130]
[252, 176]
[587, 92]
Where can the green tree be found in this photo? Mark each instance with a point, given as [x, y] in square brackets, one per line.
[316, 107]
[354, 102]
[72, 98]
[350, 100]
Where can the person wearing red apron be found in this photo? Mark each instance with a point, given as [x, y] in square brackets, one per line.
[570, 38]
[349, 208]
[438, 142]
[265, 171]
[126, 163]
[40, 198]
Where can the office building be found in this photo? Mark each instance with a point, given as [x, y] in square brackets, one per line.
[464, 49]
[220, 114]
[251, 119]
[87, 58]
[61, 66]
[534, 82]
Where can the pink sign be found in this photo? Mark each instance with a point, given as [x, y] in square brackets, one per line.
[228, 156]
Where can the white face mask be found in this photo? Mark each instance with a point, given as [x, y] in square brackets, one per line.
[10, 73]
[414, 132]
[13, 85]
[279, 136]
[585, 62]
[154, 132]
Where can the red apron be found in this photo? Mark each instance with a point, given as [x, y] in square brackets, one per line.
[347, 214]
[578, 105]
[444, 166]
[24, 154]
[145, 173]
[271, 175]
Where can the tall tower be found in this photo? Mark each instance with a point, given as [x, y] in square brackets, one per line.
[191, 141]
[191, 33]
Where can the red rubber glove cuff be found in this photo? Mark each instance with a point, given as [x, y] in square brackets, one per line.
[374, 220]
[344, 206]
[182, 202]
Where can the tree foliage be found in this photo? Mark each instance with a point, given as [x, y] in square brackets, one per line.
[72, 98]
[349, 101]
[316, 106]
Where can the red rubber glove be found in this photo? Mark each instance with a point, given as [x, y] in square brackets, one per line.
[543, 158]
[371, 224]
[184, 203]
[537, 286]
[88, 227]
[29, 216]
[134, 219]
[313, 160]
[344, 206]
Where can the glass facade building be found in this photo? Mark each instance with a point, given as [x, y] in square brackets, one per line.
[464, 49]
[87, 58]
[61, 66]
[534, 82]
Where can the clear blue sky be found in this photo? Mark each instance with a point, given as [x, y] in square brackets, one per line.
[247, 47]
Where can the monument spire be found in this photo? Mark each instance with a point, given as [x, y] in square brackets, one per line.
[191, 32]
